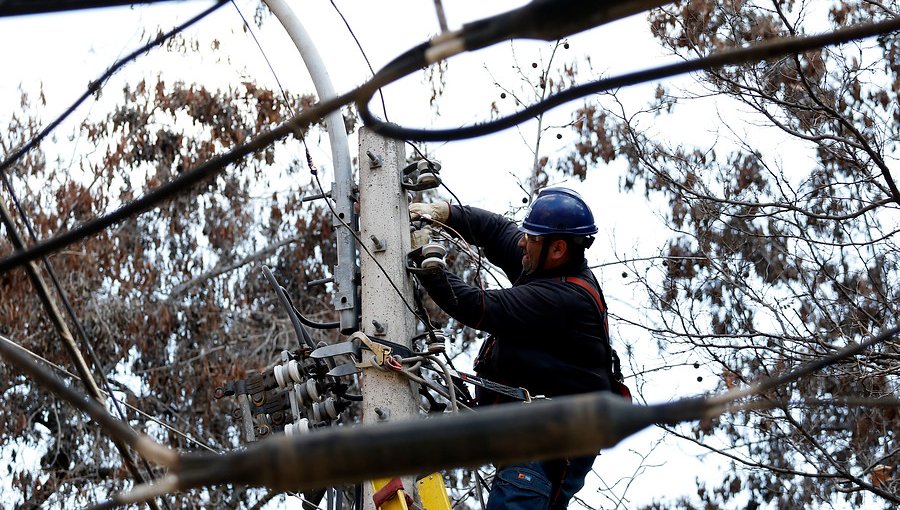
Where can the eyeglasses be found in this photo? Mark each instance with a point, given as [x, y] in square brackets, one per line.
[530, 238]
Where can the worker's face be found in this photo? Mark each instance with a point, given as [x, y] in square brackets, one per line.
[531, 252]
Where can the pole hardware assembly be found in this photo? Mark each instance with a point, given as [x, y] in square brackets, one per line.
[421, 175]
[291, 396]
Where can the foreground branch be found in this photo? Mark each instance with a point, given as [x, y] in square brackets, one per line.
[569, 426]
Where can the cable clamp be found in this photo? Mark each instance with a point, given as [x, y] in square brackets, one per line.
[380, 352]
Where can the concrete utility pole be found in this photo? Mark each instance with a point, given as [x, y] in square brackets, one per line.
[384, 228]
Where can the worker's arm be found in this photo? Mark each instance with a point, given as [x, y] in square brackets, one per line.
[529, 311]
[497, 234]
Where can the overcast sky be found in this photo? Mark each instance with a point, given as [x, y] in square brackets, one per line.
[63, 52]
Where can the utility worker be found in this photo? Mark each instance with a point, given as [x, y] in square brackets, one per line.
[548, 332]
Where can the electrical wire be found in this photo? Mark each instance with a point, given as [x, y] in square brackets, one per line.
[423, 318]
[399, 67]
[363, 52]
[311, 323]
[735, 56]
[94, 86]
[79, 326]
[362, 245]
[68, 343]
[371, 70]
[449, 394]
[301, 333]
[25, 7]
[451, 386]
[403, 65]
[109, 393]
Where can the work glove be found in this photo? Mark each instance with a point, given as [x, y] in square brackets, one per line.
[420, 237]
[436, 211]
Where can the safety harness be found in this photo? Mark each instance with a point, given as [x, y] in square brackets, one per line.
[616, 379]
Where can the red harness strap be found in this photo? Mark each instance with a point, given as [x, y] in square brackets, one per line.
[614, 373]
[594, 294]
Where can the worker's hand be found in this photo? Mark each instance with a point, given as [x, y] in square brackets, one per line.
[437, 211]
[420, 237]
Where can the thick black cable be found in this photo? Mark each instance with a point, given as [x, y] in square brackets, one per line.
[311, 323]
[95, 85]
[401, 66]
[414, 58]
[404, 64]
[25, 7]
[299, 330]
[736, 56]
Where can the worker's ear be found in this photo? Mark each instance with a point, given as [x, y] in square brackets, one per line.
[559, 250]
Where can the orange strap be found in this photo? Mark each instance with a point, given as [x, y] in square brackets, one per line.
[594, 294]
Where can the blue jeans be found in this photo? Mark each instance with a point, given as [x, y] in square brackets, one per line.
[539, 485]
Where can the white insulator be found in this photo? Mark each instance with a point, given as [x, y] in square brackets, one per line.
[433, 262]
[427, 179]
[436, 345]
[428, 166]
[323, 411]
[312, 390]
[280, 376]
[329, 407]
[294, 370]
[298, 391]
[299, 428]
[317, 413]
[434, 250]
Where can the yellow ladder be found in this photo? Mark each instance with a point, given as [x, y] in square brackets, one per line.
[431, 488]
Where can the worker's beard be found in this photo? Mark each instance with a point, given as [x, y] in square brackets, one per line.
[528, 265]
[532, 266]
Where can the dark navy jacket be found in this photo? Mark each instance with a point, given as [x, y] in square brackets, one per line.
[546, 335]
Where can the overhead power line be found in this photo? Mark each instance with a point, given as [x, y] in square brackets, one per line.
[68, 342]
[108, 392]
[735, 56]
[97, 84]
[20, 7]
[405, 64]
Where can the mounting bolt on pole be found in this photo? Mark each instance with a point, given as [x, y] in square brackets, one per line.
[374, 161]
[379, 327]
[383, 414]
[377, 243]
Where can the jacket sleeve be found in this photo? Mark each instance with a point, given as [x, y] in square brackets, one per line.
[525, 311]
[496, 234]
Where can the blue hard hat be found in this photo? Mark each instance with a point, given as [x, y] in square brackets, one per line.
[559, 211]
